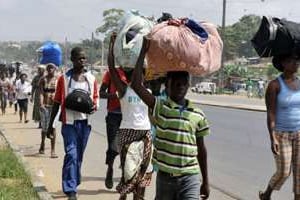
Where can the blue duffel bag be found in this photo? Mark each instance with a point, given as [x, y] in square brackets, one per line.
[50, 53]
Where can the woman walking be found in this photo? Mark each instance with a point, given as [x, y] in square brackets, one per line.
[35, 94]
[134, 128]
[283, 120]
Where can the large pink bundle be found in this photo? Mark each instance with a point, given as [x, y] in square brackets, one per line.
[177, 48]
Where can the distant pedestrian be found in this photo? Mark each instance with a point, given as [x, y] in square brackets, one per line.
[249, 86]
[179, 148]
[23, 89]
[113, 120]
[47, 85]
[12, 94]
[134, 135]
[261, 88]
[4, 88]
[35, 94]
[76, 126]
[283, 121]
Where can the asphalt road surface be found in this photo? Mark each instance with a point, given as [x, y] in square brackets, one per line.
[240, 159]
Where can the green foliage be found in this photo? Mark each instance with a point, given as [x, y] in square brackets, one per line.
[237, 37]
[9, 166]
[24, 51]
[14, 182]
[111, 19]
[235, 70]
[272, 72]
[93, 48]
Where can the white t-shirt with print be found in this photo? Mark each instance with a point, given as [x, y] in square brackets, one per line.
[134, 112]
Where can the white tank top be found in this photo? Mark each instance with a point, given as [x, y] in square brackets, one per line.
[134, 112]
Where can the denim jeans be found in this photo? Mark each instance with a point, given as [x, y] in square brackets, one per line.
[75, 138]
[185, 187]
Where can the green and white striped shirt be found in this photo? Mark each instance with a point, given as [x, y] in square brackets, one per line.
[175, 144]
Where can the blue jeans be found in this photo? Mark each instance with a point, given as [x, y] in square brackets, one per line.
[185, 187]
[75, 138]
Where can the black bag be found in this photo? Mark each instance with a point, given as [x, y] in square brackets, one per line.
[80, 100]
[276, 37]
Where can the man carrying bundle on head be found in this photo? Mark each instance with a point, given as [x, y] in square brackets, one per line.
[179, 149]
[174, 166]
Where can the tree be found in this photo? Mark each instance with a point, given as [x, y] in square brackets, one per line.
[237, 37]
[272, 72]
[111, 18]
[92, 48]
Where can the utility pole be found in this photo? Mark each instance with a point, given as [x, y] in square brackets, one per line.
[92, 51]
[102, 53]
[223, 37]
[66, 52]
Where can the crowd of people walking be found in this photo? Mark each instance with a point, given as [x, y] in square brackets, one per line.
[152, 130]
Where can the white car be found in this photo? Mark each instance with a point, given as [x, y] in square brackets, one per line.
[205, 87]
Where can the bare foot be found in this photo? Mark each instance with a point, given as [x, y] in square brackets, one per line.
[41, 151]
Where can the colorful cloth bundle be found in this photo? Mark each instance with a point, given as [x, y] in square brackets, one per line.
[184, 45]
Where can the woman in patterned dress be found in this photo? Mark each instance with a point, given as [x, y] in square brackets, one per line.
[35, 94]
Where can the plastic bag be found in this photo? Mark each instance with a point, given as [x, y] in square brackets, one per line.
[132, 28]
[50, 53]
[174, 47]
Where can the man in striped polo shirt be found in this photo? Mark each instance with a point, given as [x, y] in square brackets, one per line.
[179, 149]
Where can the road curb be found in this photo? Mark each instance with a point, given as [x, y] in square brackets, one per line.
[38, 185]
[232, 106]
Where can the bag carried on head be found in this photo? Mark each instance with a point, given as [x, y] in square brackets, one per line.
[50, 53]
[80, 100]
[184, 45]
[276, 37]
[132, 28]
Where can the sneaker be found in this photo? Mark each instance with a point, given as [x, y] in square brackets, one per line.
[109, 184]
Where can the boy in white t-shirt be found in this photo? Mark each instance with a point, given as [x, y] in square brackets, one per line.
[23, 88]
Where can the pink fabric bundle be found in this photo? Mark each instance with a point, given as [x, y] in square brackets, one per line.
[174, 47]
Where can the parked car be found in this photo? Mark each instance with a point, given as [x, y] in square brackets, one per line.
[204, 87]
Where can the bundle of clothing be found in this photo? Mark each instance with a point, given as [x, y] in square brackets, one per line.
[175, 44]
[184, 45]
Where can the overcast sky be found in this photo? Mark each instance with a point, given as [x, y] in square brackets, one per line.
[77, 19]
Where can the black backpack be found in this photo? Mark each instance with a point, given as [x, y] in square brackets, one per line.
[80, 100]
[276, 37]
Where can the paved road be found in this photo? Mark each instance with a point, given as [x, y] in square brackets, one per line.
[239, 157]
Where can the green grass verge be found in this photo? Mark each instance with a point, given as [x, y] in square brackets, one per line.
[14, 182]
